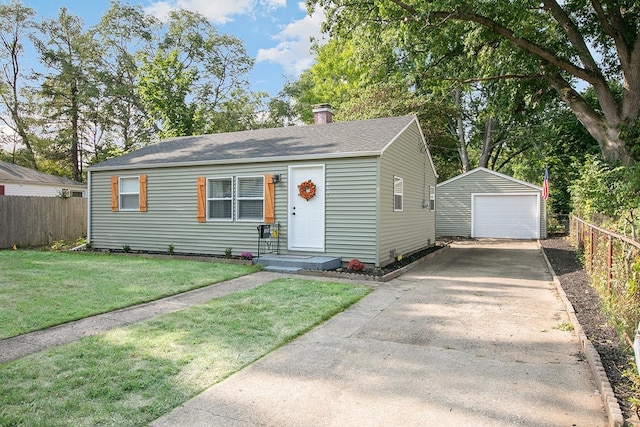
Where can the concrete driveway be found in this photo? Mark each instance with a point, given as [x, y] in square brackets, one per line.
[474, 337]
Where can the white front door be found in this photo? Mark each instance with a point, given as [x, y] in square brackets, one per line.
[306, 217]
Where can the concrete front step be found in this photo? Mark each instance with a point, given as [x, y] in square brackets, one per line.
[292, 264]
[281, 269]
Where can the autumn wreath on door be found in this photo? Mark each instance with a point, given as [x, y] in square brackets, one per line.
[307, 190]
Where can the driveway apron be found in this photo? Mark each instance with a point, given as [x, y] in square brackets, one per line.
[476, 336]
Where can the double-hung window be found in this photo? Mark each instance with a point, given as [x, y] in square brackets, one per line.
[129, 193]
[250, 198]
[220, 199]
[398, 193]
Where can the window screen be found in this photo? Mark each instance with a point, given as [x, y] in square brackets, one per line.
[219, 199]
[398, 192]
[129, 193]
[250, 198]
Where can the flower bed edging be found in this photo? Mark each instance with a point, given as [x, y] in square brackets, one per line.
[387, 277]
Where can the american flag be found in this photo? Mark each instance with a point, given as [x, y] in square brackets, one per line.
[545, 185]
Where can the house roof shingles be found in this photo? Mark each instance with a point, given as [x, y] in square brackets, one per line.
[10, 172]
[365, 137]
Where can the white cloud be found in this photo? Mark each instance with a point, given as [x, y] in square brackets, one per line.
[217, 11]
[293, 51]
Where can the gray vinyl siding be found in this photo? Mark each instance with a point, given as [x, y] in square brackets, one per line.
[350, 212]
[413, 228]
[453, 201]
[172, 212]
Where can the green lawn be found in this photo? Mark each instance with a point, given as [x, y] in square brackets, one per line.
[131, 376]
[39, 289]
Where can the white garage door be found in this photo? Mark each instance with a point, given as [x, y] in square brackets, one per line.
[506, 216]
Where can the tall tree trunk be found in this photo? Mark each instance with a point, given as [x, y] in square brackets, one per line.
[75, 137]
[487, 145]
[11, 45]
[462, 145]
[605, 132]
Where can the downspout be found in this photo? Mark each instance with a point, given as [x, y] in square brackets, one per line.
[89, 207]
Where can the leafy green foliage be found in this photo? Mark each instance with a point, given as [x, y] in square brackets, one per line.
[546, 46]
[604, 190]
[117, 86]
[195, 79]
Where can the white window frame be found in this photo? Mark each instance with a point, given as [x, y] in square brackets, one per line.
[211, 199]
[397, 181]
[240, 199]
[122, 193]
[432, 198]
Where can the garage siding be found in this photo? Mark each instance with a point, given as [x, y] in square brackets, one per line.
[454, 199]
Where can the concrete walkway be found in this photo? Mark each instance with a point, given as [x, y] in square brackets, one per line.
[475, 337]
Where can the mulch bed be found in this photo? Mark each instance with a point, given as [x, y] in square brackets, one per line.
[587, 306]
[379, 272]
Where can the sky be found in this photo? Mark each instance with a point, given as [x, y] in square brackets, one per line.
[276, 33]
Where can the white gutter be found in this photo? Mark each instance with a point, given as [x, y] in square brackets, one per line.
[143, 165]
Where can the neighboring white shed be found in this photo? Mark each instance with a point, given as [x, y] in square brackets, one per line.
[20, 181]
[485, 203]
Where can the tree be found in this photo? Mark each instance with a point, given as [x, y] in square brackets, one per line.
[194, 75]
[124, 31]
[559, 43]
[15, 25]
[70, 91]
[164, 85]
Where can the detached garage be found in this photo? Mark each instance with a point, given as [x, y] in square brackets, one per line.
[485, 203]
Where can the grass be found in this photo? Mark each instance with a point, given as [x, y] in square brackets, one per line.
[39, 289]
[131, 376]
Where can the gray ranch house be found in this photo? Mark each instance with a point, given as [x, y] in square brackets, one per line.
[361, 189]
[487, 204]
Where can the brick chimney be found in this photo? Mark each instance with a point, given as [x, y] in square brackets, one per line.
[322, 113]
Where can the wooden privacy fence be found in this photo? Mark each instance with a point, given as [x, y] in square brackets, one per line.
[39, 221]
[613, 263]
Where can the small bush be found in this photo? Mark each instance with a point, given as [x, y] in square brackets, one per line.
[58, 245]
[355, 265]
[246, 255]
[170, 249]
[228, 252]
[126, 248]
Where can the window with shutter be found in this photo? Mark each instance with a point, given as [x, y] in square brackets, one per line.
[250, 198]
[220, 199]
[129, 188]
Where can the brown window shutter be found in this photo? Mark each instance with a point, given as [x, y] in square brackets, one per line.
[143, 193]
[202, 187]
[114, 194]
[269, 200]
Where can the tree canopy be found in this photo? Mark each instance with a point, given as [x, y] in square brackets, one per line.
[128, 81]
[560, 44]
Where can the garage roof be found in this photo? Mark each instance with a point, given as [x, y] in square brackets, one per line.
[501, 175]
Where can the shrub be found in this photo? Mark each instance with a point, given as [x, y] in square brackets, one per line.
[246, 255]
[228, 252]
[355, 265]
